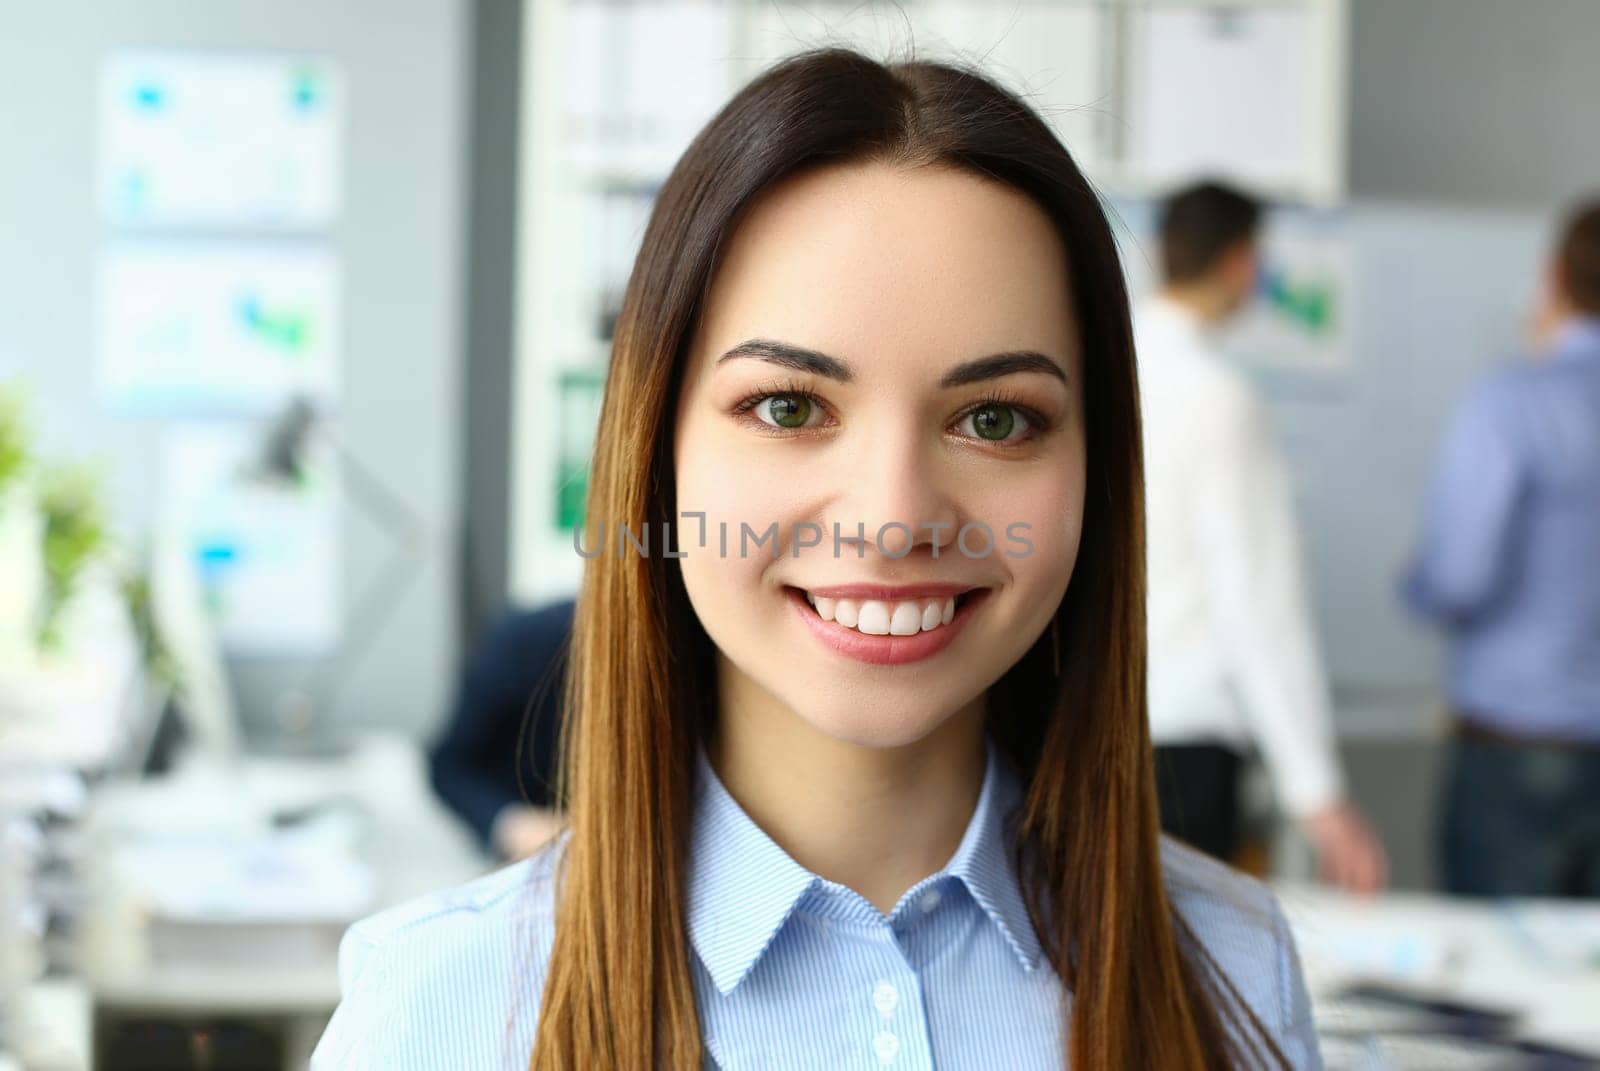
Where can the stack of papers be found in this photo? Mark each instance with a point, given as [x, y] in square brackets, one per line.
[1565, 934]
[1335, 951]
[273, 900]
[273, 878]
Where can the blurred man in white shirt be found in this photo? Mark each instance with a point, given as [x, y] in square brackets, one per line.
[1234, 659]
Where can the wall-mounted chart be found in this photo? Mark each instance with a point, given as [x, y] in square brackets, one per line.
[1301, 318]
[203, 327]
[220, 140]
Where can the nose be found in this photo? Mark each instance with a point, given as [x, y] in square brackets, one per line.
[897, 497]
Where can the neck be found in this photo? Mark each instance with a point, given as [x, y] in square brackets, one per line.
[1207, 303]
[873, 819]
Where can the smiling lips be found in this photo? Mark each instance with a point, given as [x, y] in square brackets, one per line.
[884, 626]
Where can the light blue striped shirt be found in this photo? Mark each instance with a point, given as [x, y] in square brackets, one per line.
[790, 970]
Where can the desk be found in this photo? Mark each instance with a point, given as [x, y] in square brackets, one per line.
[1477, 951]
[411, 843]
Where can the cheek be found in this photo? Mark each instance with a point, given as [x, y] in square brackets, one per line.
[1045, 508]
[727, 484]
[715, 478]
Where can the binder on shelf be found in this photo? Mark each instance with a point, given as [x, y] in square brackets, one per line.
[580, 391]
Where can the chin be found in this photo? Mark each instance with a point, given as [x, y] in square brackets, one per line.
[865, 721]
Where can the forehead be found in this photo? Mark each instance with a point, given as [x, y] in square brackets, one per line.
[879, 258]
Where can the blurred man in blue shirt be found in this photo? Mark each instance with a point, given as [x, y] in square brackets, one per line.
[1509, 567]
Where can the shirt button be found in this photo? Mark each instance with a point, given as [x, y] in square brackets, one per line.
[930, 899]
[884, 997]
[887, 1045]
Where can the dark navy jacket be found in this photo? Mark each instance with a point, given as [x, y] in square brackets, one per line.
[483, 759]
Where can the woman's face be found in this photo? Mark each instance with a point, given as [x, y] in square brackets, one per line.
[881, 346]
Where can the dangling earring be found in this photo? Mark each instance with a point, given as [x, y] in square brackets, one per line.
[1055, 647]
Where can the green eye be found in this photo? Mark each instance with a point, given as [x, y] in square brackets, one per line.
[994, 422]
[788, 410]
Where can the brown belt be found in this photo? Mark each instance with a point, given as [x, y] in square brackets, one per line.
[1468, 727]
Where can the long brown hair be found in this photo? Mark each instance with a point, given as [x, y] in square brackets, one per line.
[641, 690]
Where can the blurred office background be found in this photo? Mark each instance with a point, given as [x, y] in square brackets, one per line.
[304, 309]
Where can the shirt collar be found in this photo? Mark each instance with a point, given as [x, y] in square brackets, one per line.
[1162, 313]
[984, 862]
[1580, 335]
[743, 887]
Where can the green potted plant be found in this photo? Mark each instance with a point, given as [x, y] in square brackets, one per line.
[75, 538]
[21, 534]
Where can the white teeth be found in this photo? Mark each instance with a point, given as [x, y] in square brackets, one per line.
[875, 617]
[906, 620]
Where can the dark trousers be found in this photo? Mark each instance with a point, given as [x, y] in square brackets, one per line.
[1198, 789]
[1520, 819]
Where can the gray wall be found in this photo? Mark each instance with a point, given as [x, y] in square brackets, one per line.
[491, 285]
[400, 245]
[1486, 101]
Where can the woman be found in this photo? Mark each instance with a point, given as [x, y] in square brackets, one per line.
[851, 784]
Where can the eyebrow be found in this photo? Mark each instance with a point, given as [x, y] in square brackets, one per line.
[800, 359]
